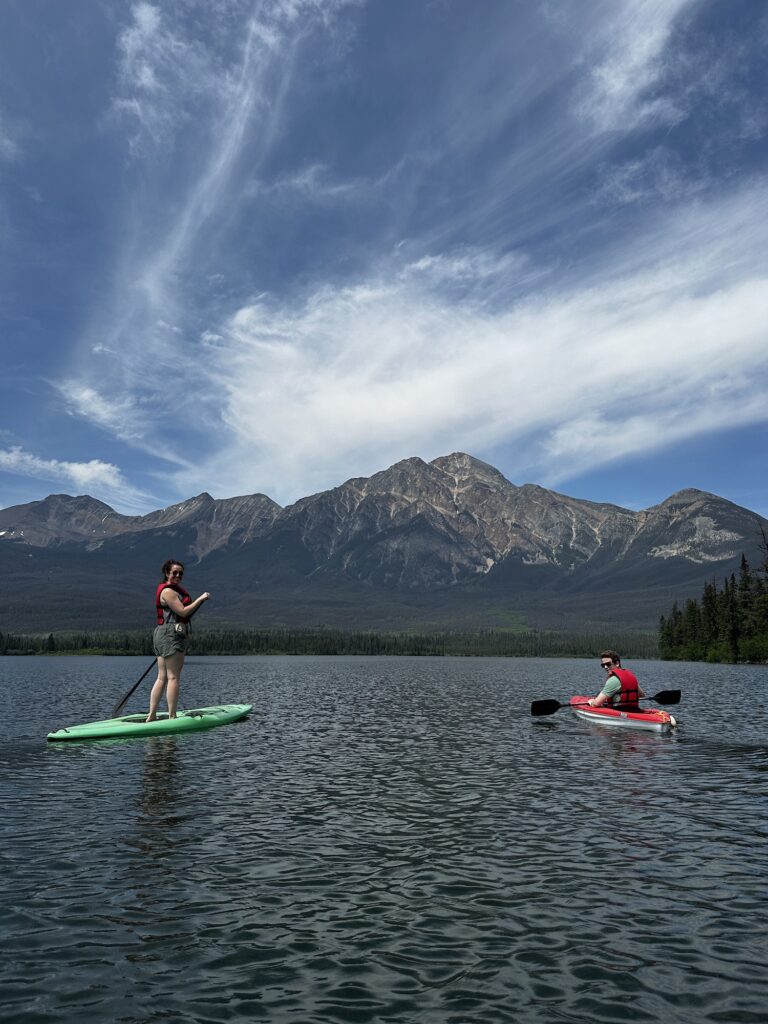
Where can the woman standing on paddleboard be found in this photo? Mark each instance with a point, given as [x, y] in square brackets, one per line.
[174, 610]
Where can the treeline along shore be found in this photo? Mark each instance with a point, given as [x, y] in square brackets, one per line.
[728, 624]
[485, 643]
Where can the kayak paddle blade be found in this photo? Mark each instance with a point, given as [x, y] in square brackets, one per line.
[667, 697]
[545, 707]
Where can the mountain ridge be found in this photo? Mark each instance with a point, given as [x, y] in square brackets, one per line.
[451, 534]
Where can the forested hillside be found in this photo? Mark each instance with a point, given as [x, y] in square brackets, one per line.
[728, 624]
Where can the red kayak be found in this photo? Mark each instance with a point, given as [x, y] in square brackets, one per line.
[650, 719]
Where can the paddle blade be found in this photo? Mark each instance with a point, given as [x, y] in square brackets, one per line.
[667, 697]
[545, 707]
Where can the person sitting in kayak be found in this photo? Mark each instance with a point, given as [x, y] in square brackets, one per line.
[174, 609]
[621, 690]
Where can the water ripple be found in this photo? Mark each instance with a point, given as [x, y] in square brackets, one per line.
[383, 840]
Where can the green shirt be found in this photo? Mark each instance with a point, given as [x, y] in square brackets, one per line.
[612, 687]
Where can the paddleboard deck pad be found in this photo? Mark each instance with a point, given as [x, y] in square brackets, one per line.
[135, 725]
[649, 720]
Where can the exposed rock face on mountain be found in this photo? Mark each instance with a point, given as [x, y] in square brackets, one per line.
[217, 523]
[420, 525]
[454, 525]
[694, 525]
[62, 519]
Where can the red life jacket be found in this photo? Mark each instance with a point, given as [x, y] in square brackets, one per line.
[185, 598]
[627, 699]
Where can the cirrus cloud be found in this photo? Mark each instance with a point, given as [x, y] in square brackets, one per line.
[669, 343]
[97, 478]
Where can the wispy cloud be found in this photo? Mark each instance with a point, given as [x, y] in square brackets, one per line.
[316, 183]
[594, 440]
[667, 346]
[313, 182]
[161, 74]
[193, 107]
[482, 280]
[634, 43]
[9, 146]
[656, 175]
[468, 264]
[97, 478]
[124, 416]
[118, 416]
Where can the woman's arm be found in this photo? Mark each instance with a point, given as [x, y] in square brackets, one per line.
[181, 611]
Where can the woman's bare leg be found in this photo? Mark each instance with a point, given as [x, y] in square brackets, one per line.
[173, 666]
[158, 689]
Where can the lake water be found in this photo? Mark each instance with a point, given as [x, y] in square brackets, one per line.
[391, 840]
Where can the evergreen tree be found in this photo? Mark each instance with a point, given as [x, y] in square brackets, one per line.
[728, 625]
[709, 617]
[692, 640]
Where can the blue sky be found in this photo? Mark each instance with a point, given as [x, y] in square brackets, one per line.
[269, 246]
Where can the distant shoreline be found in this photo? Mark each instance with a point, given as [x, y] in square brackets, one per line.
[265, 643]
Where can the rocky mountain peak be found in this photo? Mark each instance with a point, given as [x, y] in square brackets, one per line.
[59, 519]
[687, 496]
[184, 509]
[466, 469]
[69, 501]
[401, 478]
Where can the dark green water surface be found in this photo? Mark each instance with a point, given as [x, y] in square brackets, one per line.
[390, 840]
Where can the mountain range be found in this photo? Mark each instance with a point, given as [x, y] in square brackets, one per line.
[444, 544]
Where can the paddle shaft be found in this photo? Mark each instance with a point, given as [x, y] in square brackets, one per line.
[121, 704]
[549, 707]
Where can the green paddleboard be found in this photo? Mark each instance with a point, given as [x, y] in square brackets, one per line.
[134, 725]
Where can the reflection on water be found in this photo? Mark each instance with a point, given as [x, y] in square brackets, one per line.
[157, 796]
[384, 840]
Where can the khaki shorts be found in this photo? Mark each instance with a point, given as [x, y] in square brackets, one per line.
[166, 641]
